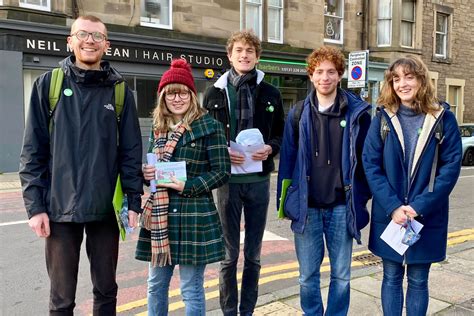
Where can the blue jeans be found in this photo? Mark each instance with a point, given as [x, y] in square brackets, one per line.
[417, 291]
[330, 223]
[254, 199]
[192, 289]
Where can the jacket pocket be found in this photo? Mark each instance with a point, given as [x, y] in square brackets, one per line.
[292, 203]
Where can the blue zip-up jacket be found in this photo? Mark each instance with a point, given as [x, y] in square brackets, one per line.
[295, 160]
[392, 187]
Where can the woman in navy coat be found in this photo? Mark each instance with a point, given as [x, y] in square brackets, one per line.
[411, 166]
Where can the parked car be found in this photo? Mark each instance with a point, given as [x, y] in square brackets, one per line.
[467, 136]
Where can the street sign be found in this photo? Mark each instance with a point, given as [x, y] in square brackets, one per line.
[357, 69]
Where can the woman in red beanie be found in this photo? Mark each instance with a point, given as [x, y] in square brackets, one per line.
[180, 224]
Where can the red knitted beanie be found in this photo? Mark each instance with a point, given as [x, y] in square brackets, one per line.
[179, 72]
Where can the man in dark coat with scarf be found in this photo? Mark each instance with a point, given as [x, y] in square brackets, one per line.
[241, 100]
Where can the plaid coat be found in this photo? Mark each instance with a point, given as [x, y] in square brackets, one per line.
[194, 228]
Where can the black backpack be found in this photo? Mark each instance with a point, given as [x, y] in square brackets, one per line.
[295, 123]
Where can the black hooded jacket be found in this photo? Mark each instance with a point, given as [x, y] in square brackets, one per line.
[71, 173]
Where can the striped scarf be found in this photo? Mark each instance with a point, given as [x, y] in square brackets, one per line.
[155, 211]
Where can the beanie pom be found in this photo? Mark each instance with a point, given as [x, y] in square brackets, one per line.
[180, 63]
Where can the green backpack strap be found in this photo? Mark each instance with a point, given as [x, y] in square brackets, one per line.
[55, 86]
[119, 98]
[57, 77]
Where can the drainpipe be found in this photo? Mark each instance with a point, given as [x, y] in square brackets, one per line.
[365, 25]
[75, 9]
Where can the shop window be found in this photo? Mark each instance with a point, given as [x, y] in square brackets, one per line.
[44, 5]
[455, 96]
[407, 26]
[441, 38]
[384, 23]
[253, 16]
[156, 13]
[275, 21]
[333, 21]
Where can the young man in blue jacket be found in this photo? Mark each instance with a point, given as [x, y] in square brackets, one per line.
[327, 198]
[68, 173]
[240, 100]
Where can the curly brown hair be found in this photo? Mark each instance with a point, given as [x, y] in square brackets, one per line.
[246, 36]
[328, 53]
[425, 99]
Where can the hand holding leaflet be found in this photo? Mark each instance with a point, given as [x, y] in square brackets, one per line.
[393, 235]
[249, 165]
[151, 160]
[247, 142]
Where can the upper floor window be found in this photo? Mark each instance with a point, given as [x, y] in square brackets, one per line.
[275, 21]
[407, 26]
[384, 23]
[253, 16]
[333, 21]
[44, 5]
[441, 39]
[156, 13]
[455, 96]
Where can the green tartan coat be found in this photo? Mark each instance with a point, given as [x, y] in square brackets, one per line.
[194, 227]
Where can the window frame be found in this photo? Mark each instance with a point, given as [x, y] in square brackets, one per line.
[412, 23]
[22, 4]
[444, 34]
[280, 9]
[341, 4]
[159, 25]
[260, 16]
[390, 19]
[459, 83]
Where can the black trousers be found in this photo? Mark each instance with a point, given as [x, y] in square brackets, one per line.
[252, 199]
[63, 248]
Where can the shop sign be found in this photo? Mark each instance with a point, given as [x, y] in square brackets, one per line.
[282, 67]
[127, 53]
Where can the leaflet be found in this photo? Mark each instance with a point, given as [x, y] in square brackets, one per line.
[165, 170]
[394, 232]
[249, 165]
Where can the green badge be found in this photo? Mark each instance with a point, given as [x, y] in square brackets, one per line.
[270, 108]
[343, 123]
[67, 92]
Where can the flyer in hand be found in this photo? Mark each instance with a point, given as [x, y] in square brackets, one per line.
[165, 170]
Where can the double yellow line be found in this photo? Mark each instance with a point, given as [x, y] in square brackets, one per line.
[291, 269]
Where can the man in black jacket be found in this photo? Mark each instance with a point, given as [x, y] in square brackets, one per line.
[68, 173]
[241, 100]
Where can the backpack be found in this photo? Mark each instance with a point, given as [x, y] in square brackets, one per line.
[296, 119]
[438, 134]
[56, 84]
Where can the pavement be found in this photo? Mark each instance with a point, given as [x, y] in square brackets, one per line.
[451, 281]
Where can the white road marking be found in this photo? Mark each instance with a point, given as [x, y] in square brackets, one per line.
[267, 236]
[13, 223]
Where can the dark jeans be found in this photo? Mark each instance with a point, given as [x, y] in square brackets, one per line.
[417, 290]
[63, 248]
[231, 198]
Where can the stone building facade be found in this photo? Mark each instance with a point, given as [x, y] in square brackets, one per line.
[147, 34]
